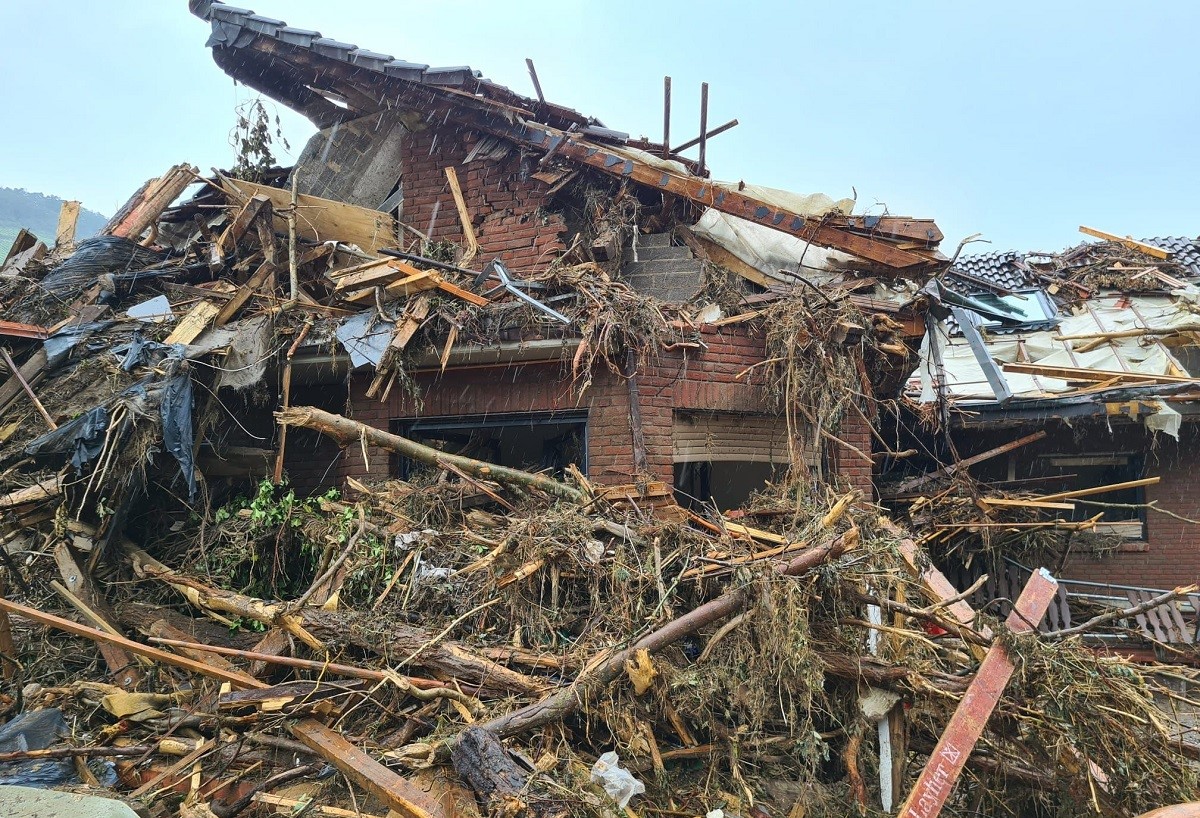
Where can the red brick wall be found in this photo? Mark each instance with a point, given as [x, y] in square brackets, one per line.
[850, 466]
[1171, 554]
[679, 379]
[508, 214]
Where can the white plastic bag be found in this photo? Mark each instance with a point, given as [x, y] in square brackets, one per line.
[617, 781]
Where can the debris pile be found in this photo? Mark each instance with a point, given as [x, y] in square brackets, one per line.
[189, 630]
[478, 638]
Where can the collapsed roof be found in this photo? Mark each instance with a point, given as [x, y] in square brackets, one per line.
[330, 81]
[1102, 327]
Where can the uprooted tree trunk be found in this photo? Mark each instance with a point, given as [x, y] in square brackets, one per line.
[481, 760]
[363, 630]
[346, 431]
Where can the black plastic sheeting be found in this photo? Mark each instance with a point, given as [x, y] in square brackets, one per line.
[37, 730]
[176, 411]
[59, 345]
[94, 257]
[83, 438]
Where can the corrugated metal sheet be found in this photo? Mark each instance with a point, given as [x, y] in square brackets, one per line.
[722, 437]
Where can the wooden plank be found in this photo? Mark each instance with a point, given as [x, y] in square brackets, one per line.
[120, 665]
[15, 329]
[362, 769]
[1072, 373]
[232, 234]
[405, 287]
[68, 218]
[322, 220]
[711, 251]
[149, 202]
[1127, 241]
[461, 294]
[244, 293]
[391, 271]
[1146, 619]
[195, 322]
[415, 313]
[1007, 502]
[464, 217]
[1088, 492]
[949, 757]
[946, 471]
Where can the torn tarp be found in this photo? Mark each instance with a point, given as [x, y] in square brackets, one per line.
[365, 337]
[83, 437]
[176, 410]
[59, 345]
[249, 351]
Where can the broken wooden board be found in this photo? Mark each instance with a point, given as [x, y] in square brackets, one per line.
[946, 471]
[195, 322]
[323, 220]
[948, 759]
[1126, 241]
[148, 203]
[243, 294]
[372, 274]
[1074, 373]
[709, 250]
[120, 665]
[68, 217]
[405, 287]
[362, 769]
[237, 228]
[24, 241]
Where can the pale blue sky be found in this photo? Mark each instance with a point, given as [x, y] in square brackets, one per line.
[1019, 120]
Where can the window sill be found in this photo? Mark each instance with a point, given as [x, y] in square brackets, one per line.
[1133, 547]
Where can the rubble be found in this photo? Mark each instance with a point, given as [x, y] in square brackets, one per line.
[472, 637]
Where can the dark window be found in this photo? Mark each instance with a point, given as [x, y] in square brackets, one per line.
[728, 483]
[1123, 515]
[537, 441]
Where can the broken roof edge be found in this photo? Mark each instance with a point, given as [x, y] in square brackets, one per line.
[236, 28]
[250, 47]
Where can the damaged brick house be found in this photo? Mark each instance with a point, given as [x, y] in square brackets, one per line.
[1068, 383]
[542, 185]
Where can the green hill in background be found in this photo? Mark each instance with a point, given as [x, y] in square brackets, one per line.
[38, 213]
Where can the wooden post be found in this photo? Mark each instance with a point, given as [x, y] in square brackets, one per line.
[948, 759]
[703, 126]
[293, 275]
[287, 397]
[666, 117]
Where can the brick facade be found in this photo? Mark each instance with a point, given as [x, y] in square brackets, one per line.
[696, 379]
[1170, 553]
[507, 207]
